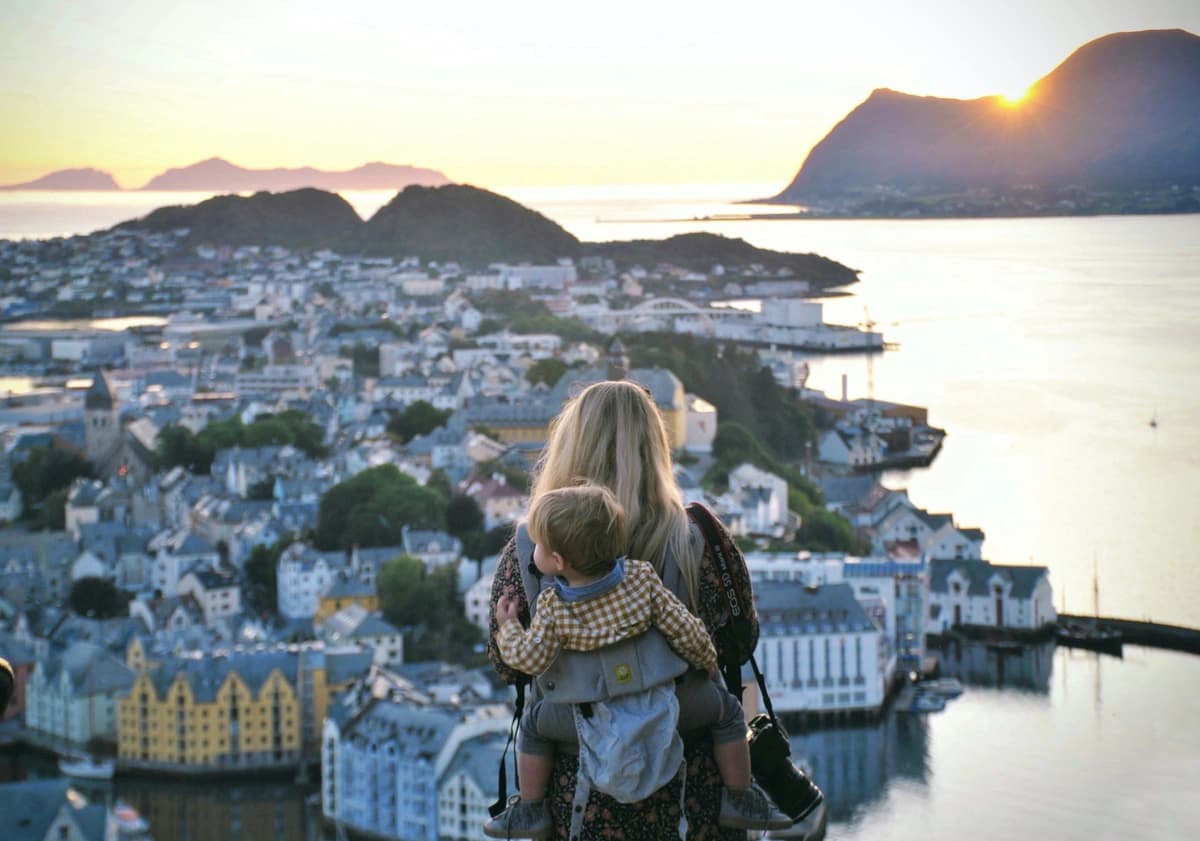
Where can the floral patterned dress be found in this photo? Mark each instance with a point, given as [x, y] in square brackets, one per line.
[657, 817]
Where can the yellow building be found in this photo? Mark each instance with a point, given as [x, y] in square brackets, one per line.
[341, 594]
[242, 709]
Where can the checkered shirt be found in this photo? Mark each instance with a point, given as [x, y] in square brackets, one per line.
[638, 601]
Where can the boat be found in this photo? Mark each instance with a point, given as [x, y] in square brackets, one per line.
[927, 703]
[87, 768]
[129, 822]
[1104, 640]
[947, 687]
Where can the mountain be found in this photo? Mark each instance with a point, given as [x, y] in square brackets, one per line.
[701, 251]
[297, 219]
[463, 223]
[217, 174]
[69, 179]
[1120, 113]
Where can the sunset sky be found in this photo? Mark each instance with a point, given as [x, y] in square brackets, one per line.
[502, 94]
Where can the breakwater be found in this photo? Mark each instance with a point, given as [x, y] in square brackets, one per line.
[1141, 632]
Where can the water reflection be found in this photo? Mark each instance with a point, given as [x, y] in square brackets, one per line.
[217, 811]
[976, 664]
[855, 766]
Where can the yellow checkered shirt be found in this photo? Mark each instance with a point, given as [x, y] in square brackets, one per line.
[638, 601]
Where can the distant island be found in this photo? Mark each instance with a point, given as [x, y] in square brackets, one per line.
[1115, 128]
[458, 223]
[219, 175]
[69, 179]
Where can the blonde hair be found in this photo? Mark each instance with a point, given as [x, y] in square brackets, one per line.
[611, 433]
[583, 523]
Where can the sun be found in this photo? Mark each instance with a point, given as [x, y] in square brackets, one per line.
[1013, 99]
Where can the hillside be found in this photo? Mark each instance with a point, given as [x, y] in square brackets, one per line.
[701, 251]
[69, 179]
[1118, 114]
[297, 219]
[216, 174]
[463, 223]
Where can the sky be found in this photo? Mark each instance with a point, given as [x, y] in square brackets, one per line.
[504, 94]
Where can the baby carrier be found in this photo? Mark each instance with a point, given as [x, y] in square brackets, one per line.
[623, 701]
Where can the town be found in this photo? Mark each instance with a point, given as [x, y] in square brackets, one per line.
[254, 496]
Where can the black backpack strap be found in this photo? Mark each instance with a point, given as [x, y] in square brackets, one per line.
[502, 775]
[531, 582]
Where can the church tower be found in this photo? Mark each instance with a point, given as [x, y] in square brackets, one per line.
[102, 427]
[618, 361]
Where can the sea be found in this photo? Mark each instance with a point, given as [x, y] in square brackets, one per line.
[1062, 357]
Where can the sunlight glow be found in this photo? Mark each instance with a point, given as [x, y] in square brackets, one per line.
[1014, 99]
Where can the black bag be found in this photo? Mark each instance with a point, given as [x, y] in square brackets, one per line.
[793, 791]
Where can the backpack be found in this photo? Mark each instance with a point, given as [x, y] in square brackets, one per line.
[737, 636]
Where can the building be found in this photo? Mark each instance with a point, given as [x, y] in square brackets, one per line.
[219, 596]
[355, 625]
[72, 697]
[302, 575]
[384, 765]
[346, 590]
[468, 788]
[50, 810]
[819, 650]
[965, 592]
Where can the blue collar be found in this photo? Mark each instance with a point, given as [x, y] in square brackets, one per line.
[589, 591]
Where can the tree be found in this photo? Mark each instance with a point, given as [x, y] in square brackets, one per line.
[463, 515]
[548, 371]
[98, 598]
[418, 418]
[426, 604]
[261, 571]
[371, 509]
[44, 478]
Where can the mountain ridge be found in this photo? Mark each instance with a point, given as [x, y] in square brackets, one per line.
[1113, 115]
[217, 174]
[456, 222]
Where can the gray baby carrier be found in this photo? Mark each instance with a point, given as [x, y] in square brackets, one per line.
[623, 701]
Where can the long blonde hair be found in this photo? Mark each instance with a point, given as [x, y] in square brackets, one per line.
[611, 433]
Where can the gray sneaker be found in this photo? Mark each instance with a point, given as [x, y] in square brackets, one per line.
[750, 809]
[522, 819]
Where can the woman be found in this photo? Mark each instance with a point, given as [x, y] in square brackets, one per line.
[611, 433]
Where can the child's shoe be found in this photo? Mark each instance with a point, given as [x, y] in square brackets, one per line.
[750, 808]
[522, 819]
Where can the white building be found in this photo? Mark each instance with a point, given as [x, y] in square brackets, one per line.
[701, 425]
[819, 650]
[302, 575]
[761, 498]
[219, 596]
[72, 697]
[355, 625]
[477, 602]
[980, 593]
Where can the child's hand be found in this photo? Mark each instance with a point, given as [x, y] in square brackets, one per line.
[506, 608]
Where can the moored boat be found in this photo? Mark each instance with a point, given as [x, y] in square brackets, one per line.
[87, 768]
[947, 687]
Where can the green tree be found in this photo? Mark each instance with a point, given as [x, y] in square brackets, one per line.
[261, 570]
[43, 472]
[98, 598]
[371, 509]
[426, 604]
[418, 418]
[463, 515]
[548, 371]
